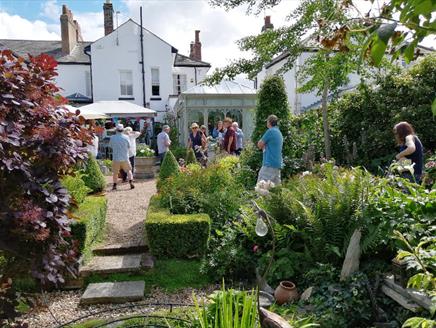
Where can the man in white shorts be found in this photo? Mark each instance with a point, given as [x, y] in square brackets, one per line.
[120, 145]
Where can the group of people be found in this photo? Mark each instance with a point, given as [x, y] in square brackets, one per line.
[230, 138]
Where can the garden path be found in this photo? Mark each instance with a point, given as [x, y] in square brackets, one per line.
[126, 212]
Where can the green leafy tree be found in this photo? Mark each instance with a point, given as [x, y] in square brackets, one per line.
[190, 157]
[169, 166]
[272, 99]
[92, 175]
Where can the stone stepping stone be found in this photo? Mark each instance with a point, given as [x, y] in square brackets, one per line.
[130, 263]
[120, 249]
[113, 292]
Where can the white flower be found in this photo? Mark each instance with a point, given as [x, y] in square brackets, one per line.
[306, 173]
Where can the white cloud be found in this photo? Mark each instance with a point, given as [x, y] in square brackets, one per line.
[51, 10]
[17, 27]
[175, 22]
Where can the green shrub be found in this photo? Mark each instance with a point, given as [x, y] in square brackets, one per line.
[366, 117]
[168, 168]
[190, 157]
[212, 190]
[76, 187]
[178, 152]
[178, 236]
[89, 226]
[92, 175]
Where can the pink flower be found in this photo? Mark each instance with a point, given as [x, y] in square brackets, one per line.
[255, 248]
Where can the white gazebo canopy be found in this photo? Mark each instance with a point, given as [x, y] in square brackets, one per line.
[87, 114]
[119, 109]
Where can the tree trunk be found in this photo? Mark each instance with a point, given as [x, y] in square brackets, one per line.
[325, 123]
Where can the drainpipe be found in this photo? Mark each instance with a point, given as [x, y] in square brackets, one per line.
[142, 58]
[86, 51]
[195, 70]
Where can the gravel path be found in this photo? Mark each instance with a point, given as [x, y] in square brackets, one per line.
[126, 211]
[65, 306]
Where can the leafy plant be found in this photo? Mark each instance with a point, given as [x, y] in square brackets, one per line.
[190, 157]
[38, 145]
[168, 168]
[143, 150]
[76, 187]
[92, 175]
[228, 308]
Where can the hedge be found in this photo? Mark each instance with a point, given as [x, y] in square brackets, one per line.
[176, 235]
[89, 226]
[92, 175]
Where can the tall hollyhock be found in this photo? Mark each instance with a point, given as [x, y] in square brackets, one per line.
[38, 144]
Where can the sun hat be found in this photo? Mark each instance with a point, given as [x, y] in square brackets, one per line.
[128, 129]
[194, 125]
[120, 127]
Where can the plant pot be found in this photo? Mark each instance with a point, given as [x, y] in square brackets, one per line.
[285, 292]
[144, 167]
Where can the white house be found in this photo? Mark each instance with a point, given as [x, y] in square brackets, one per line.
[128, 63]
[301, 102]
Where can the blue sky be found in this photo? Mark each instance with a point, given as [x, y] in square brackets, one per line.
[173, 20]
[32, 9]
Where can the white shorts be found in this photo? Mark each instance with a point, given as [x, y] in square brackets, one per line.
[267, 173]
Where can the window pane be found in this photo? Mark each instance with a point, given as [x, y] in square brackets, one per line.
[154, 76]
[129, 90]
[155, 90]
[126, 83]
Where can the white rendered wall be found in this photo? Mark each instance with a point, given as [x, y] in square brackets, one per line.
[121, 50]
[193, 75]
[298, 101]
[72, 78]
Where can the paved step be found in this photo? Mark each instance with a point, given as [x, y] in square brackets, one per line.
[130, 263]
[120, 249]
[113, 292]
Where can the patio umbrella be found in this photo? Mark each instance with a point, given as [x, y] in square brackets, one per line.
[119, 108]
[87, 114]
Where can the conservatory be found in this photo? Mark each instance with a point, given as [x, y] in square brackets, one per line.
[206, 105]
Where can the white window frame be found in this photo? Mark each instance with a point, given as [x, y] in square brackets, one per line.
[125, 94]
[178, 87]
[155, 83]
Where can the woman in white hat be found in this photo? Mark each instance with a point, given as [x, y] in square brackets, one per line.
[197, 140]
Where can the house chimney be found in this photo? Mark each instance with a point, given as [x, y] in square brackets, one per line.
[267, 25]
[108, 11]
[70, 31]
[195, 52]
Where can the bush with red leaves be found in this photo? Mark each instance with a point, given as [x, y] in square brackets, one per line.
[39, 143]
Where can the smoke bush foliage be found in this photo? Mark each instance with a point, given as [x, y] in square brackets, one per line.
[38, 145]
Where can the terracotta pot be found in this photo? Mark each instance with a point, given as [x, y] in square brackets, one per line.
[144, 167]
[285, 292]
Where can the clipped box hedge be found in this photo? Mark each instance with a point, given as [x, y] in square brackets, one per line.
[90, 222]
[176, 236]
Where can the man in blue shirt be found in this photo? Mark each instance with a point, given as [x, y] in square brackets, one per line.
[120, 145]
[271, 144]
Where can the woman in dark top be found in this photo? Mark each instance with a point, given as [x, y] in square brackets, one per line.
[196, 140]
[410, 148]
